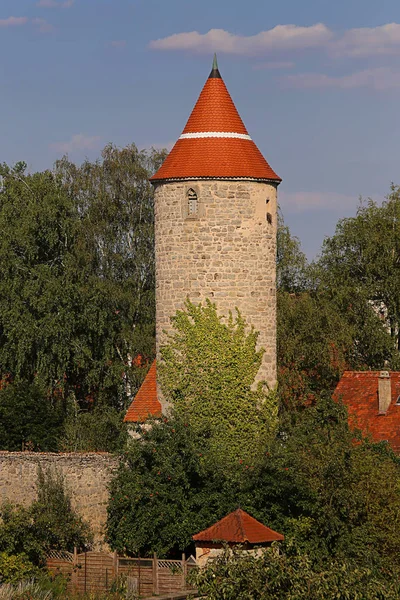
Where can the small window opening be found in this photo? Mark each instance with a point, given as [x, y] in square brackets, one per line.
[192, 201]
[269, 218]
[398, 401]
[267, 201]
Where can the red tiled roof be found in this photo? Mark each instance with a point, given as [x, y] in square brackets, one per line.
[145, 403]
[238, 527]
[200, 154]
[359, 391]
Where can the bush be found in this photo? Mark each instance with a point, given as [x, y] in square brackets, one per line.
[101, 430]
[49, 523]
[275, 576]
[15, 568]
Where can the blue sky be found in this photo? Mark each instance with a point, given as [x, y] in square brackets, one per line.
[316, 82]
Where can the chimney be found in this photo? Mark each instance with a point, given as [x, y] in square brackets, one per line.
[384, 392]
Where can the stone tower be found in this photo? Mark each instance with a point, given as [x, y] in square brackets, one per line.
[216, 221]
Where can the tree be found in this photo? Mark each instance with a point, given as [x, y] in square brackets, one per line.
[344, 482]
[28, 419]
[165, 490]
[77, 278]
[332, 494]
[315, 345]
[314, 341]
[292, 269]
[38, 224]
[328, 316]
[115, 203]
[168, 488]
[360, 268]
[207, 374]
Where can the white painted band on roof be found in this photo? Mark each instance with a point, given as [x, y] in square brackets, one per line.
[214, 134]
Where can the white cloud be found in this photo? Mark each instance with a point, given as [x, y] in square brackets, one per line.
[369, 41]
[282, 42]
[56, 3]
[77, 142]
[380, 78]
[43, 25]
[281, 37]
[301, 201]
[358, 42]
[13, 21]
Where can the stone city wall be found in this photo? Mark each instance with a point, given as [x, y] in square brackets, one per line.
[226, 252]
[86, 477]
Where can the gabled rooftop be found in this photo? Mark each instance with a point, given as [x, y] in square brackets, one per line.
[215, 143]
[146, 403]
[359, 391]
[238, 528]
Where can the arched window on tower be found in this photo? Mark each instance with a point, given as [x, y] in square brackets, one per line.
[191, 201]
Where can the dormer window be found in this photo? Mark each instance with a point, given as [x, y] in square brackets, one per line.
[191, 202]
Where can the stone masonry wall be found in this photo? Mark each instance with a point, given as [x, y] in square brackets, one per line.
[86, 477]
[226, 252]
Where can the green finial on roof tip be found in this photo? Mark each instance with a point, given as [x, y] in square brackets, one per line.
[215, 63]
[214, 71]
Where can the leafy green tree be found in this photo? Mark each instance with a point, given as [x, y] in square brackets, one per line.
[38, 224]
[168, 488]
[345, 482]
[116, 251]
[314, 341]
[292, 269]
[332, 494]
[28, 419]
[207, 374]
[77, 274]
[329, 315]
[315, 345]
[161, 493]
[360, 268]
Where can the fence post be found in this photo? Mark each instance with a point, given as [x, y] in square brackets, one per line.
[139, 573]
[155, 574]
[115, 565]
[184, 571]
[85, 572]
[74, 575]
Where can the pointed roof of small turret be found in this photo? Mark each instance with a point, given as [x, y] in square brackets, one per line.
[215, 143]
[145, 404]
[215, 71]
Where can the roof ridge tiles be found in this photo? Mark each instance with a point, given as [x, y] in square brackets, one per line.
[241, 525]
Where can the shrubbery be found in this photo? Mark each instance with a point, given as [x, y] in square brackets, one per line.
[276, 576]
[28, 533]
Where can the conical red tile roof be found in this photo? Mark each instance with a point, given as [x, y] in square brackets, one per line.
[238, 527]
[145, 403]
[215, 143]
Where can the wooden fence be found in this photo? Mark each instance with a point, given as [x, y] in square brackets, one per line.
[98, 571]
